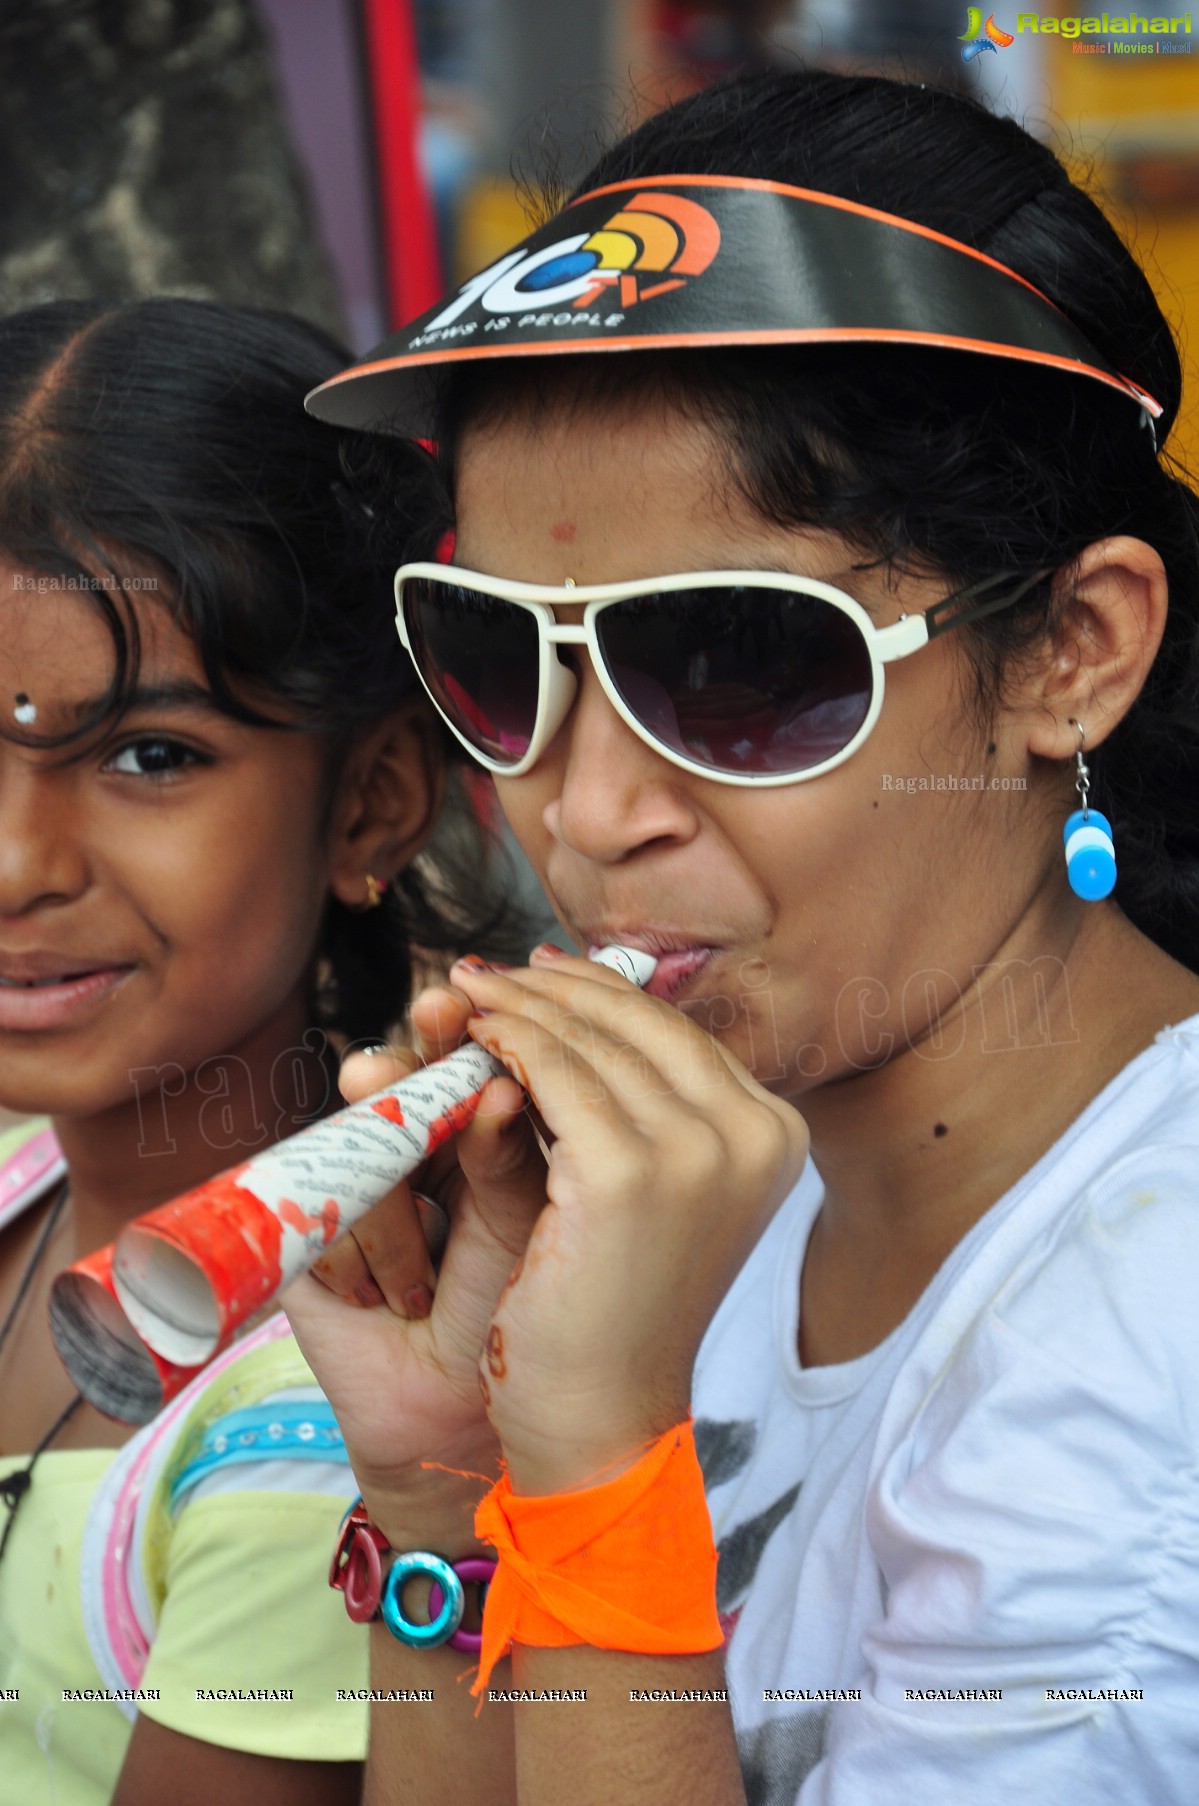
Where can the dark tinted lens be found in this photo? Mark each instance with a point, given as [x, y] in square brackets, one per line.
[479, 658]
[741, 680]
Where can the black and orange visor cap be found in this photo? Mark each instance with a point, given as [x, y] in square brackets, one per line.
[676, 262]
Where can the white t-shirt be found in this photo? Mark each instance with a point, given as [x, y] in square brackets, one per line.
[984, 1534]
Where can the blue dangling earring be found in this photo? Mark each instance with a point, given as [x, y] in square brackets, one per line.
[1090, 854]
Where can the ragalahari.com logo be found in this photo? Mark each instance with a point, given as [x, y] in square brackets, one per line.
[978, 37]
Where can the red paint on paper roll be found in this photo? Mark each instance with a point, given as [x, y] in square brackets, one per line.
[451, 1121]
[232, 1234]
[219, 1248]
[326, 1222]
[389, 1109]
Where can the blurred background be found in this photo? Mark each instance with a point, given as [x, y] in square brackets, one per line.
[349, 158]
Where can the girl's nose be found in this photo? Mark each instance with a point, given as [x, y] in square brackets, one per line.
[42, 858]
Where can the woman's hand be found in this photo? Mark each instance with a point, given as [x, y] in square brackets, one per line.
[667, 1161]
[402, 1373]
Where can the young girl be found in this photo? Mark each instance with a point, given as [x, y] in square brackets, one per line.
[214, 778]
[846, 378]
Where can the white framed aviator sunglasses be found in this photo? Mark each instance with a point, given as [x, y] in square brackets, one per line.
[742, 677]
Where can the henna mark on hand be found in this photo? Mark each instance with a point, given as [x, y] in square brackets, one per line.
[496, 1364]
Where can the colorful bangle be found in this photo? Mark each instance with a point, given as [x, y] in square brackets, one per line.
[474, 1569]
[443, 1626]
[357, 1568]
[357, 1573]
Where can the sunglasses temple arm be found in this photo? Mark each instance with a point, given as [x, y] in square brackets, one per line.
[962, 617]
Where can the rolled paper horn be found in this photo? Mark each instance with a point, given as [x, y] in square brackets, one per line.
[630, 962]
[108, 1362]
[188, 1275]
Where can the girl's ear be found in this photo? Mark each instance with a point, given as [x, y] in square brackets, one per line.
[387, 801]
[1111, 618]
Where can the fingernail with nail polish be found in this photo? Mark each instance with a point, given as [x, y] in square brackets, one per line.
[418, 1301]
[547, 950]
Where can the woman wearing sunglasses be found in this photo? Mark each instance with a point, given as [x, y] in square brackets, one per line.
[827, 610]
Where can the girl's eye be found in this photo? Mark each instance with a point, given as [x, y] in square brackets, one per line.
[153, 758]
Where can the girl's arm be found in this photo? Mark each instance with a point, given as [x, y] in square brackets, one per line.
[164, 1766]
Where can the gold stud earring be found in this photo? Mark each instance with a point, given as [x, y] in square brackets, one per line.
[374, 891]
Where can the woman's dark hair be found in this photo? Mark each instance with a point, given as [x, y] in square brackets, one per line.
[161, 448]
[939, 460]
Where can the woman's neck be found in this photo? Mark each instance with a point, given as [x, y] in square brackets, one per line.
[914, 1153]
[183, 1128]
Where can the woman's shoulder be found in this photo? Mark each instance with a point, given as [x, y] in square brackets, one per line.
[1077, 1292]
[1081, 1304]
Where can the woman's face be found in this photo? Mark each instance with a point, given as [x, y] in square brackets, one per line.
[161, 883]
[830, 922]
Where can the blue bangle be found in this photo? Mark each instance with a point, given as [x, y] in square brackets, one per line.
[439, 1629]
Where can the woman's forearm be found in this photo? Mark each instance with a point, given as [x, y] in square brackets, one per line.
[621, 1742]
[435, 1752]
[644, 1730]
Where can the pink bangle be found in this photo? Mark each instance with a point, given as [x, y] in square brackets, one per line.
[474, 1568]
[357, 1568]
[356, 1572]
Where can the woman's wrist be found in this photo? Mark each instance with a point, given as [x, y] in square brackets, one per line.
[537, 1465]
[436, 1511]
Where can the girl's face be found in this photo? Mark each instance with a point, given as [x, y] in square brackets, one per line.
[823, 924]
[161, 883]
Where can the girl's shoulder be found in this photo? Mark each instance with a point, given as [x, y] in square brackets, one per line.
[253, 1420]
[31, 1162]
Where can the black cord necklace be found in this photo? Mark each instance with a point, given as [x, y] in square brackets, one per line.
[14, 1486]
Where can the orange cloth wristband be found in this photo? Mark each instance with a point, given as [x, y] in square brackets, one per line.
[627, 1565]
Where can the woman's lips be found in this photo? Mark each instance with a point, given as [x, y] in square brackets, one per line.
[675, 971]
[55, 1003]
[677, 965]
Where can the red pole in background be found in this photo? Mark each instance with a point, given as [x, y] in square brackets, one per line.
[411, 265]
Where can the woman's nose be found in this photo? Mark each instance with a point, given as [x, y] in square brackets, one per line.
[614, 794]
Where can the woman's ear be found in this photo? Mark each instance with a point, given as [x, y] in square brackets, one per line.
[387, 801]
[1110, 620]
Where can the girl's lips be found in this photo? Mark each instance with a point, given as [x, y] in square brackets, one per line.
[30, 1008]
[676, 970]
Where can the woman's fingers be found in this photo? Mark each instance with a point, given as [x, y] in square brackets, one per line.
[342, 1269]
[501, 1192]
[384, 1259]
[439, 1018]
[392, 1244]
[362, 1074]
[596, 1011]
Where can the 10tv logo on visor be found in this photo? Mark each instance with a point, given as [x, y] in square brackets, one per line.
[652, 245]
